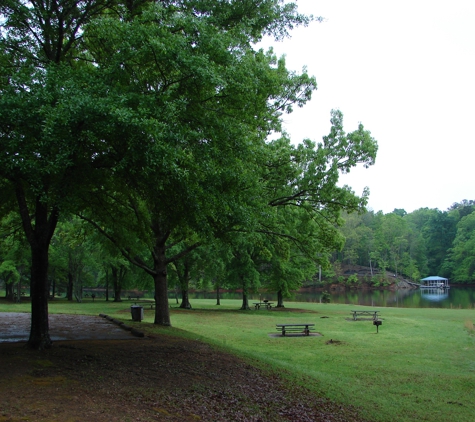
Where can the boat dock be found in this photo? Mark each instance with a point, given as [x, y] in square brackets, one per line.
[435, 282]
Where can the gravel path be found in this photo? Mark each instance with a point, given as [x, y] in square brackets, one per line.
[15, 327]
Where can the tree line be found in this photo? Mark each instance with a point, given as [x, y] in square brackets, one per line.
[159, 124]
[414, 245]
[426, 241]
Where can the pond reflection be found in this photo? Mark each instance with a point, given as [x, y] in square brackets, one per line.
[455, 297]
[435, 295]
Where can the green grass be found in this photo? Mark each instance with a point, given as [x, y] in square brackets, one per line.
[420, 366]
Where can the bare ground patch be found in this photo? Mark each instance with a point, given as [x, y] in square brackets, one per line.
[157, 377]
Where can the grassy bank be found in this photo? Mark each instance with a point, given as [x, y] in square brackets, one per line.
[420, 366]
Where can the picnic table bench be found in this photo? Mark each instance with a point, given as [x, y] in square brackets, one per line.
[294, 328]
[267, 305]
[373, 314]
[152, 304]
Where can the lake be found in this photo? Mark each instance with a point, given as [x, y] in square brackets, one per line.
[455, 297]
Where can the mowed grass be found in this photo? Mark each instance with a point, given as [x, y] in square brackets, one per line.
[419, 367]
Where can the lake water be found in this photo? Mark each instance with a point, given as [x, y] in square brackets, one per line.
[455, 297]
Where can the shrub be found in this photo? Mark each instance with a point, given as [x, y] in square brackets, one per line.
[325, 297]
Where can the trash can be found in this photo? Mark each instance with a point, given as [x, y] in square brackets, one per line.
[137, 312]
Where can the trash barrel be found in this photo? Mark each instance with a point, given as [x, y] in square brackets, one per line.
[137, 312]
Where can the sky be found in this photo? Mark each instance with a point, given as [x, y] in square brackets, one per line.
[405, 69]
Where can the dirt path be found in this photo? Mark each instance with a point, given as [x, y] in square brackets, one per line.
[16, 327]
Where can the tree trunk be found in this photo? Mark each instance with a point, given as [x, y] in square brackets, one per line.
[69, 290]
[184, 283]
[185, 300]
[8, 290]
[78, 288]
[107, 286]
[245, 302]
[53, 287]
[116, 284]
[39, 237]
[18, 289]
[39, 331]
[162, 311]
[280, 300]
[218, 296]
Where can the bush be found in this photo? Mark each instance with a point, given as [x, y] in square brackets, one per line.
[325, 297]
[352, 280]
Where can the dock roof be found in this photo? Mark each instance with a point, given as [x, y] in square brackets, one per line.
[434, 278]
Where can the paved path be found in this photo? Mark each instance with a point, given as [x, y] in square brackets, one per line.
[15, 327]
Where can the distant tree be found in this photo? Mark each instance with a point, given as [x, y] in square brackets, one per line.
[439, 233]
[359, 238]
[464, 207]
[10, 276]
[390, 241]
[301, 184]
[417, 243]
[461, 259]
[75, 254]
[14, 256]
[184, 270]
[215, 257]
[243, 271]
[399, 211]
[296, 248]
[118, 272]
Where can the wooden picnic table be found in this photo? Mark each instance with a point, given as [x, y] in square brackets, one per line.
[267, 305]
[373, 314]
[145, 303]
[295, 328]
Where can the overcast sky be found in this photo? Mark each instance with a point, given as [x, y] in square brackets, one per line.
[405, 69]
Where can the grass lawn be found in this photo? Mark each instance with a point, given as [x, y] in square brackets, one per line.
[419, 367]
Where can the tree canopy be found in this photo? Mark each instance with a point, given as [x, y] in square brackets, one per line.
[152, 121]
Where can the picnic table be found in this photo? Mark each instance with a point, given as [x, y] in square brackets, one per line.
[145, 303]
[294, 328]
[267, 305]
[373, 314]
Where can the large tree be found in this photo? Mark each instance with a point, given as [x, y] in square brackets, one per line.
[205, 102]
[303, 197]
[55, 125]
[296, 209]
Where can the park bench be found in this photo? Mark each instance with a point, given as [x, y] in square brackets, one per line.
[295, 328]
[373, 314]
[267, 305]
[152, 304]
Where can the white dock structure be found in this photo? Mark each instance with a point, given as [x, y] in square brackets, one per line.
[434, 282]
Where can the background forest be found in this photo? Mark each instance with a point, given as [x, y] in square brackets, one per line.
[414, 245]
[410, 245]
